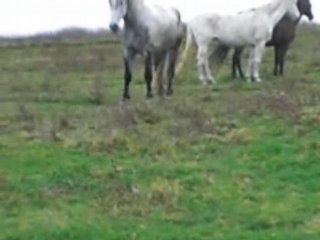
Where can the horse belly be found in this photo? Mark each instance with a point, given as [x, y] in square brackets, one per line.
[235, 32]
[236, 38]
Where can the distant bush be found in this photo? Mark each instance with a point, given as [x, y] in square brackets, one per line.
[71, 35]
[76, 35]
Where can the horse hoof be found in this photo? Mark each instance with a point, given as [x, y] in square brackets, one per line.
[149, 96]
[126, 98]
[161, 92]
[169, 93]
[204, 83]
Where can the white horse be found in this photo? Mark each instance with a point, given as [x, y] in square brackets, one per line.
[153, 31]
[251, 28]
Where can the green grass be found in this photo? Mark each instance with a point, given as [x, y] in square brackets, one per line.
[231, 161]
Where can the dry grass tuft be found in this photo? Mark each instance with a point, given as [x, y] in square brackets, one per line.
[97, 93]
[165, 193]
[26, 117]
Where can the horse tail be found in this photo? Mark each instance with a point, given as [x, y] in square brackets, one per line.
[177, 12]
[186, 50]
[219, 54]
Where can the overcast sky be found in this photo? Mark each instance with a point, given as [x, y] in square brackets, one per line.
[24, 17]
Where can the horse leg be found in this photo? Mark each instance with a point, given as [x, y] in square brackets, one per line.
[250, 65]
[282, 54]
[236, 63]
[258, 53]
[204, 71]
[148, 74]
[235, 60]
[172, 58]
[239, 64]
[159, 61]
[210, 78]
[127, 59]
[201, 62]
[276, 60]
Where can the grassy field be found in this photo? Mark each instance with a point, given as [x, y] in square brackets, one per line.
[229, 161]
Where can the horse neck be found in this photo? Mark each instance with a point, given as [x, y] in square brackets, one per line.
[298, 19]
[277, 9]
[134, 12]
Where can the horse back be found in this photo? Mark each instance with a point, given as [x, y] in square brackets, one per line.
[245, 29]
[164, 26]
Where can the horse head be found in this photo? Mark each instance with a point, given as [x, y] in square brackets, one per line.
[305, 8]
[118, 10]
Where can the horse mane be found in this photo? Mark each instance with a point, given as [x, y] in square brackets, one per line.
[177, 12]
[134, 5]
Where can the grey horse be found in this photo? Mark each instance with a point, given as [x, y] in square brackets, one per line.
[152, 31]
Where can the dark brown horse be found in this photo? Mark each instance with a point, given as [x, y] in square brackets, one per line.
[283, 35]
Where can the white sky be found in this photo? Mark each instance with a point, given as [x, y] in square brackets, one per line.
[24, 17]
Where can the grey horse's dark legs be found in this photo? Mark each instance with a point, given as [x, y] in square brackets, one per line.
[148, 74]
[127, 79]
[128, 57]
[159, 61]
[173, 54]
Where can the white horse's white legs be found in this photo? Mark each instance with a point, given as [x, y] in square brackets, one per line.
[250, 65]
[258, 53]
[204, 72]
[254, 61]
[201, 59]
[210, 78]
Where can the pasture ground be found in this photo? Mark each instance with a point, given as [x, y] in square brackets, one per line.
[229, 161]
